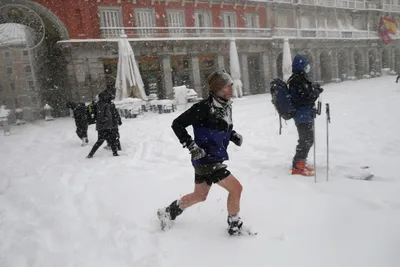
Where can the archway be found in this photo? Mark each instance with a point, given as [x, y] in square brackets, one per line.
[358, 64]
[343, 65]
[279, 60]
[326, 66]
[372, 60]
[43, 73]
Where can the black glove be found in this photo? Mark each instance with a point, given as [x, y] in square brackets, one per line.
[196, 151]
[237, 139]
[317, 87]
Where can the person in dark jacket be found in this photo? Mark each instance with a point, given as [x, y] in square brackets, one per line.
[81, 120]
[117, 119]
[304, 94]
[105, 123]
[211, 120]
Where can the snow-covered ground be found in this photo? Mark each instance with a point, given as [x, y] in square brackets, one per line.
[58, 208]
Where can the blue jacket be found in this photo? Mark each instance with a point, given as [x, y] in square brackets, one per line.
[303, 92]
[212, 127]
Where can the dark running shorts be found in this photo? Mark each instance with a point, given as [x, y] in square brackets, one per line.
[210, 173]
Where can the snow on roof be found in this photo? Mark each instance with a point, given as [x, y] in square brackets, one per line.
[12, 33]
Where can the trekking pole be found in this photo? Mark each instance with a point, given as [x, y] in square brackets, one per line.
[317, 111]
[315, 161]
[328, 120]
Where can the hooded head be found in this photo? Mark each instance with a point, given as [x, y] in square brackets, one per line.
[71, 105]
[300, 65]
[220, 84]
[105, 96]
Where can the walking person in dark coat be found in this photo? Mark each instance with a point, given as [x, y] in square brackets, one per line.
[105, 123]
[81, 120]
[304, 94]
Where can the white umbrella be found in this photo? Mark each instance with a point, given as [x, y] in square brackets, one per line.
[235, 70]
[127, 71]
[286, 60]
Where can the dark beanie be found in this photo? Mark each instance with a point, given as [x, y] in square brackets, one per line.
[219, 80]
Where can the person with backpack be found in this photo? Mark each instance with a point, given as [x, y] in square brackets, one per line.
[303, 96]
[106, 121]
[212, 124]
[81, 120]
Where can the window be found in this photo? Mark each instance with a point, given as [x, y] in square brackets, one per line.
[202, 18]
[110, 17]
[285, 19]
[28, 69]
[176, 19]
[251, 20]
[9, 70]
[307, 22]
[12, 86]
[25, 53]
[358, 22]
[31, 85]
[228, 21]
[145, 17]
[7, 54]
[34, 100]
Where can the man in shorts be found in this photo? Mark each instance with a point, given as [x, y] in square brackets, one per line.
[213, 130]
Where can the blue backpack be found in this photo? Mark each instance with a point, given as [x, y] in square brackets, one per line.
[282, 100]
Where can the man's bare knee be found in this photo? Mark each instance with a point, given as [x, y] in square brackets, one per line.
[237, 190]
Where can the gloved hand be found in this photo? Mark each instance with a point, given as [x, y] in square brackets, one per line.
[237, 139]
[196, 151]
[317, 87]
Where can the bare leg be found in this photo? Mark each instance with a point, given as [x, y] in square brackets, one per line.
[199, 194]
[233, 186]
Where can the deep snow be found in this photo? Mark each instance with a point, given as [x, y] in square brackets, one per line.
[58, 208]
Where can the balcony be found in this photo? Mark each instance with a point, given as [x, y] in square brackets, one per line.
[183, 33]
[347, 4]
[391, 8]
[324, 34]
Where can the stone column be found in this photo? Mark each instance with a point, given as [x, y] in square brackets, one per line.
[272, 60]
[379, 61]
[351, 70]
[196, 76]
[335, 66]
[245, 74]
[366, 62]
[317, 65]
[266, 71]
[221, 62]
[166, 66]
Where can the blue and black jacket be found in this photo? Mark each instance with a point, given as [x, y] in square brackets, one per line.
[303, 91]
[211, 120]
